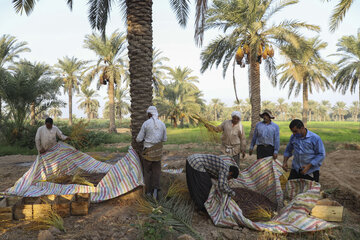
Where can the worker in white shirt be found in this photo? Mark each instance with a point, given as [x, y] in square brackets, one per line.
[46, 136]
[153, 133]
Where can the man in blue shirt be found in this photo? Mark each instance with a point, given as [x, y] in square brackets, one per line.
[266, 137]
[308, 151]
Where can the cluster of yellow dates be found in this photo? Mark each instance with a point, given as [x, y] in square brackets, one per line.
[264, 51]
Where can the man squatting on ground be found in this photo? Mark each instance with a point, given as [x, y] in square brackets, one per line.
[200, 168]
[266, 137]
[153, 133]
[233, 138]
[45, 137]
[308, 151]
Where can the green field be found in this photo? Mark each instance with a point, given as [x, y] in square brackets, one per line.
[333, 134]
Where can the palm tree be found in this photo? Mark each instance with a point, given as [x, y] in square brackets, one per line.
[248, 40]
[268, 105]
[158, 70]
[305, 70]
[181, 97]
[70, 71]
[313, 106]
[294, 110]
[87, 101]
[339, 13]
[348, 76]
[324, 109]
[216, 106]
[110, 66]
[355, 109]
[340, 110]
[282, 108]
[121, 106]
[55, 112]
[10, 49]
[36, 71]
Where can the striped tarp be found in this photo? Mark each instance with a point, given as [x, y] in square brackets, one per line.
[263, 177]
[62, 159]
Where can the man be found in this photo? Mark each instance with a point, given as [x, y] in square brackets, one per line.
[45, 137]
[308, 151]
[153, 133]
[233, 138]
[266, 137]
[200, 168]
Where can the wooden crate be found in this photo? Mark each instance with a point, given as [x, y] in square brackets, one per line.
[5, 210]
[64, 198]
[63, 209]
[41, 210]
[23, 211]
[328, 210]
[82, 197]
[80, 208]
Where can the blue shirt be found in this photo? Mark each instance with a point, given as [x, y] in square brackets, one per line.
[308, 149]
[266, 134]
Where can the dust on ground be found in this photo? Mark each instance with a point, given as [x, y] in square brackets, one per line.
[116, 219]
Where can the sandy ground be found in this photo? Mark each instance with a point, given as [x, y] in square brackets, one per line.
[115, 219]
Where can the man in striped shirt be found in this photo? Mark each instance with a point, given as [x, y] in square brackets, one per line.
[200, 168]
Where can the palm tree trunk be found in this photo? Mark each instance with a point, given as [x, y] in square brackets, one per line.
[32, 114]
[112, 127]
[88, 111]
[70, 106]
[305, 102]
[255, 98]
[215, 114]
[139, 35]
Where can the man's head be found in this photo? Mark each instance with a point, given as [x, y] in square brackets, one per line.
[235, 117]
[297, 128]
[49, 123]
[267, 115]
[233, 172]
[152, 111]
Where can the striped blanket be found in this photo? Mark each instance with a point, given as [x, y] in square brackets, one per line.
[263, 177]
[120, 178]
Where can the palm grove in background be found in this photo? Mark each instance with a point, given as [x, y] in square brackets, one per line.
[248, 39]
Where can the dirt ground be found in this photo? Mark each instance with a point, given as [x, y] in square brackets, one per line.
[115, 219]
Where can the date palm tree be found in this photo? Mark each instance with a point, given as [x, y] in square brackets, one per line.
[249, 39]
[88, 101]
[55, 112]
[110, 66]
[305, 70]
[158, 71]
[340, 110]
[121, 105]
[355, 109]
[70, 71]
[339, 13]
[348, 76]
[140, 49]
[282, 107]
[10, 49]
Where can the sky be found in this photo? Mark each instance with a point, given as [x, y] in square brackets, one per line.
[52, 31]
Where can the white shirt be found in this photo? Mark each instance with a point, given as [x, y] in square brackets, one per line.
[151, 134]
[46, 138]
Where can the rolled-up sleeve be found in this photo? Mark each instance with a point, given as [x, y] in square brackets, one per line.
[289, 148]
[253, 140]
[60, 134]
[277, 140]
[38, 140]
[140, 137]
[319, 150]
[223, 184]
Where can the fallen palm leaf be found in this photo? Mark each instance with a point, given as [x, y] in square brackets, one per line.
[177, 189]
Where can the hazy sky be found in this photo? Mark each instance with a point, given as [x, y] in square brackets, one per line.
[52, 31]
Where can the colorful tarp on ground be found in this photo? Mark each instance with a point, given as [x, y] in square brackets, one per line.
[263, 177]
[120, 178]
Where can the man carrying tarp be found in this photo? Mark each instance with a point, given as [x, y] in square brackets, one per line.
[200, 168]
[153, 133]
[266, 137]
[233, 138]
[308, 151]
[45, 137]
